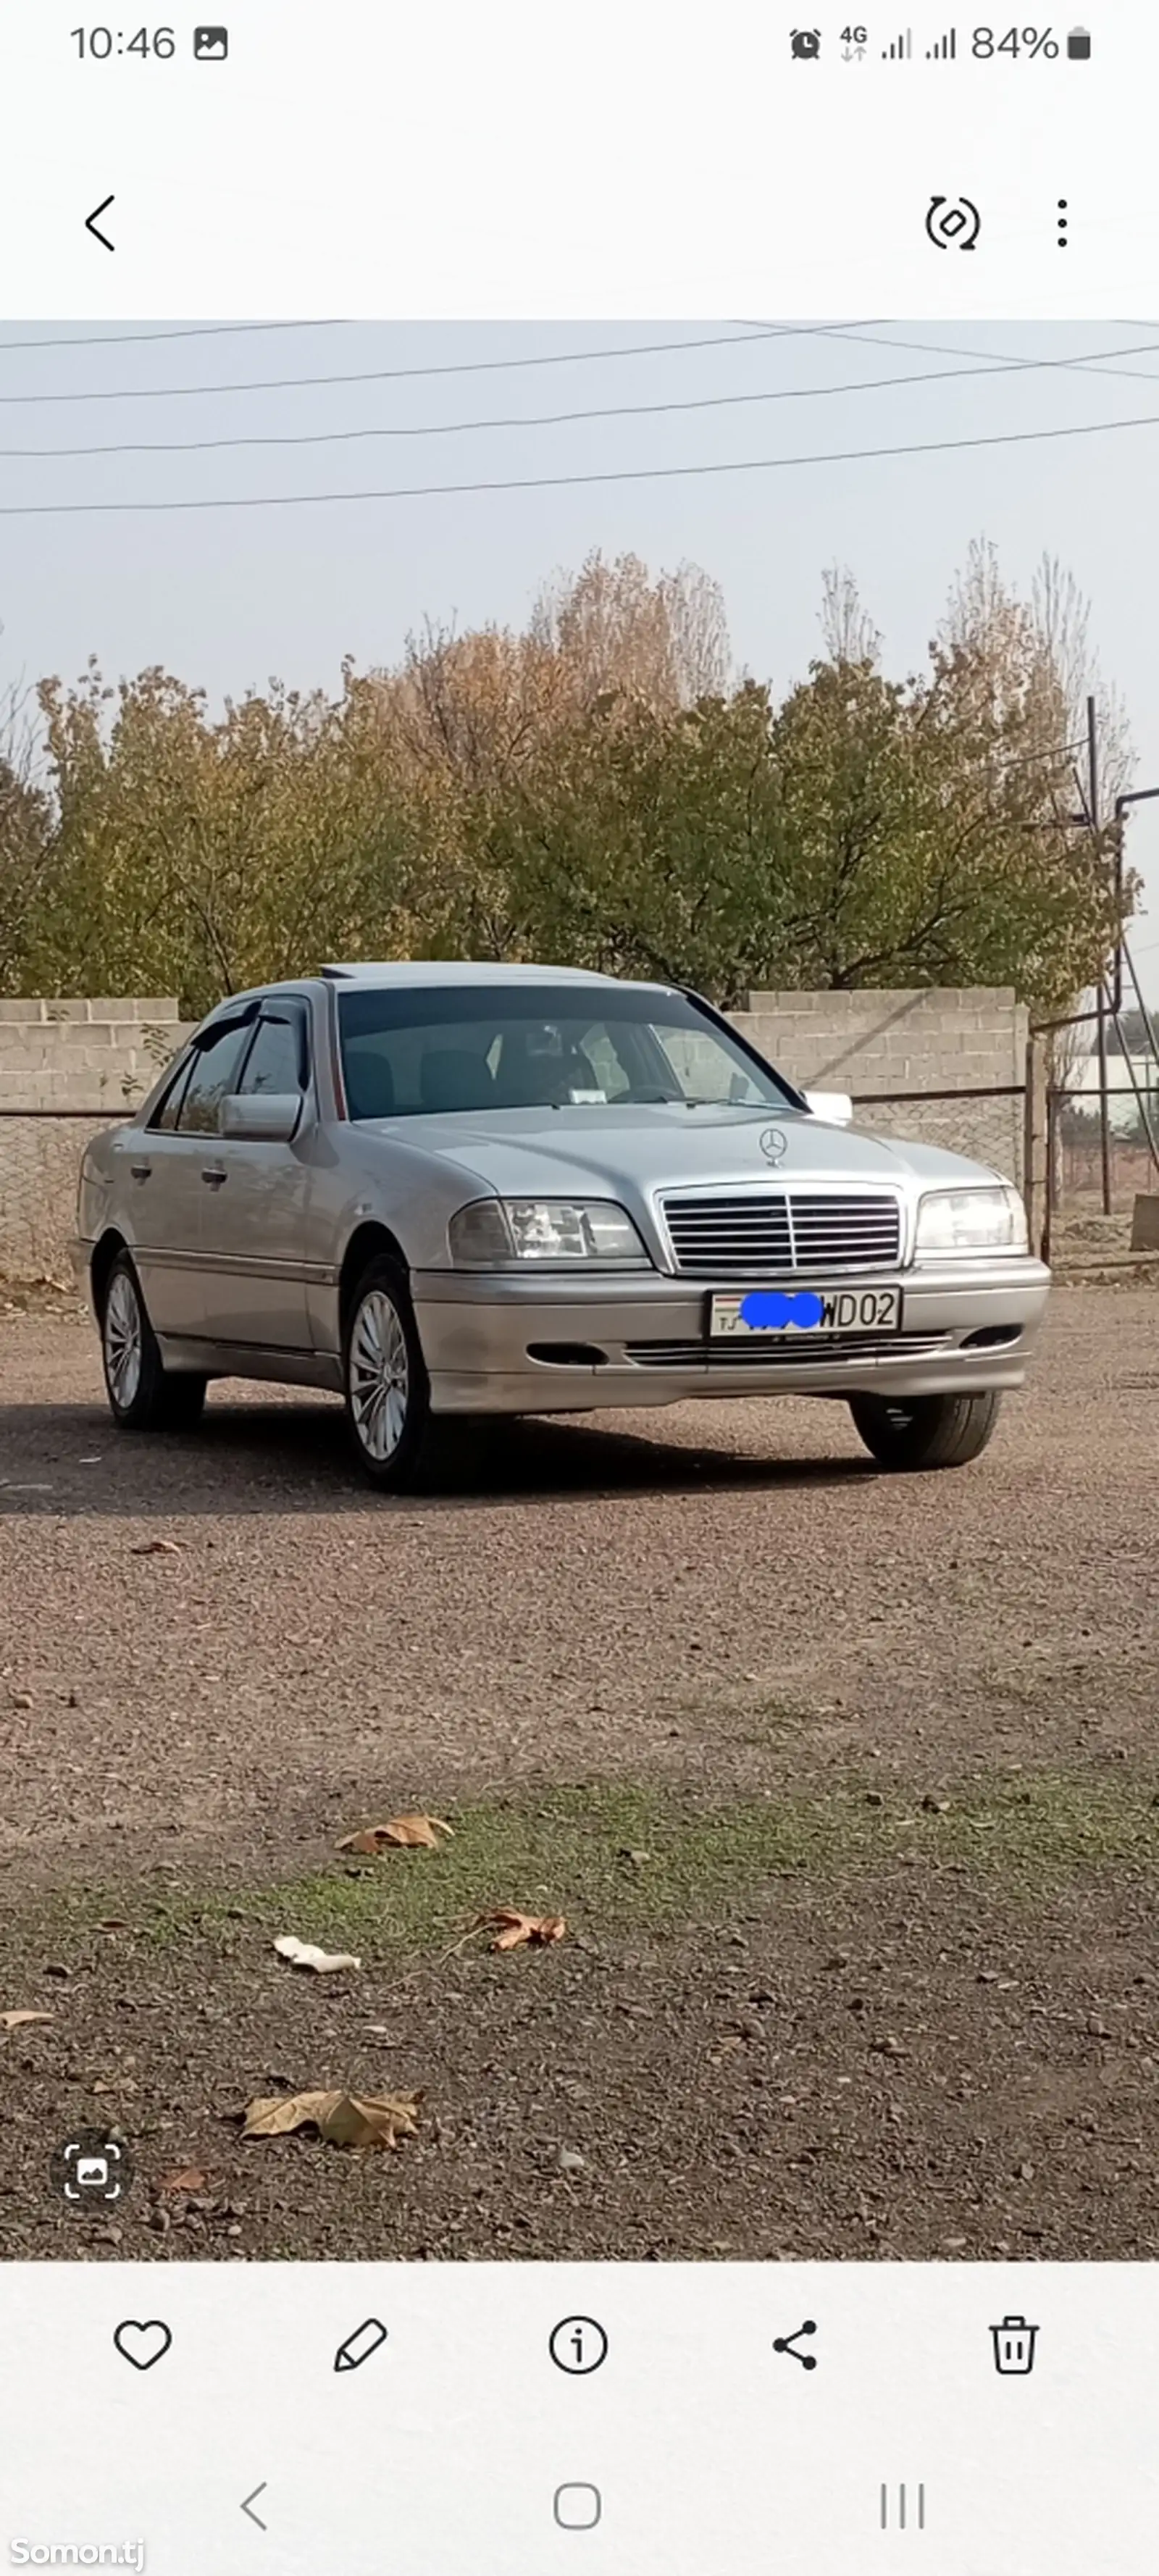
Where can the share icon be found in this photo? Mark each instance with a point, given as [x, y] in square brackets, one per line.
[789, 2343]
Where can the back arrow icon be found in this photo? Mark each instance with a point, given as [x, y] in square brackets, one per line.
[92, 226]
[250, 2500]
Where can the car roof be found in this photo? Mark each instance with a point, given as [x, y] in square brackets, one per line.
[397, 973]
[435, 970]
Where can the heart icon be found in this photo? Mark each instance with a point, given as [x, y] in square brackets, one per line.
[143, 2344]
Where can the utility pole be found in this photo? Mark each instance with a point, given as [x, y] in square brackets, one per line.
[1093, 810]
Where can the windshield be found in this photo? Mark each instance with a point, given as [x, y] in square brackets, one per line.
[410, 1053]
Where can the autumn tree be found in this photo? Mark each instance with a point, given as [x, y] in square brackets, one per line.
[26, 838]
[599, 789]
[197, 856]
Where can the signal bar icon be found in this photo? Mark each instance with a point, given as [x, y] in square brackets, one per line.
[901, 50]
[946, 49]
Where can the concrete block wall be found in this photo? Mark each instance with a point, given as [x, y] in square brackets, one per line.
[85, 1063]
[99, 1057]
[939, 1039]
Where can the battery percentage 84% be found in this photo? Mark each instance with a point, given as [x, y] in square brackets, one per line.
[1030, 41]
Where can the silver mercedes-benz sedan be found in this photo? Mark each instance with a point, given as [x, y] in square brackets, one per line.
[466, 1189]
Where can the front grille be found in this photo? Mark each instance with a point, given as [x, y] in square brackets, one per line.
[763, 1234]
[760, 1351]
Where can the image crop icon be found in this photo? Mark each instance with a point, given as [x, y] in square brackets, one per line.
[210, 44]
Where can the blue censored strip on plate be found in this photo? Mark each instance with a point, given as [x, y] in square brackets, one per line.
[770, 1309]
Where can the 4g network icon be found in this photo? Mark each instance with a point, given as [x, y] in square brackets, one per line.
[805, 44]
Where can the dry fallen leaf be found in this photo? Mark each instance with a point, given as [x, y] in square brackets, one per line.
[156, 1547]
[514, 1930]
[18, 2020]
[304, 1954]
[186, 2178]
[399, 1833]
[342, 2119]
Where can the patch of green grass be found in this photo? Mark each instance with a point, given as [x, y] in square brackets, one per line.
[766, 1721]
[580, 1852]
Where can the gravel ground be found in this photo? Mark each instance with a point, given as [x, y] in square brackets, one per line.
[723, 1602]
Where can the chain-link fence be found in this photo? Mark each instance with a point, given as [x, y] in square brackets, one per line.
[1096, 1166]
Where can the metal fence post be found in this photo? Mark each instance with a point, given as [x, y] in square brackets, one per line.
[1035, 1142]
[1052, 1191]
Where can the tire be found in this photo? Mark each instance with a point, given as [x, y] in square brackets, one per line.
[142, 1394]
[384, 1376]
[928, 1430]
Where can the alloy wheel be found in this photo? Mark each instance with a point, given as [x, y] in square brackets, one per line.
[379, 1376]
[123, 1341]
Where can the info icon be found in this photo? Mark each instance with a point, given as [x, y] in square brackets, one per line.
[210, 44]
[578, 2345]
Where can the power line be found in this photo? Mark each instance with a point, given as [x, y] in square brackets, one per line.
[855, 335]
[736, 339]
[188, 331]
[539, 420]
[560, 482]
[338, 322]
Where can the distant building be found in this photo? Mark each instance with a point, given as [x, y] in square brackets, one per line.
[1082, 1085]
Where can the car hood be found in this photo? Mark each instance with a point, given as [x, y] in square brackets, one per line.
[599, 1152]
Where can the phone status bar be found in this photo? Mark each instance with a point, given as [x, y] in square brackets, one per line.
[862, 43]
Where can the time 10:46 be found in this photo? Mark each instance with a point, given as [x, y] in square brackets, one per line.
[100, 42]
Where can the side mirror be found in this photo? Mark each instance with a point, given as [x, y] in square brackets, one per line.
[835, 1106]
[265, 1117]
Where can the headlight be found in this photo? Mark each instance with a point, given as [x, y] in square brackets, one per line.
[978, 1220]
[496, 1234]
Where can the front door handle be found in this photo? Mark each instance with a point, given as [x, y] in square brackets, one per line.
[213, 1175]
[140, 1171]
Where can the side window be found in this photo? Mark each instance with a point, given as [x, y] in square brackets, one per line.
[214, 1071]
[276, 1060]
[165, 1118]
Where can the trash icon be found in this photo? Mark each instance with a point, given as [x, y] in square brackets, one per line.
[1014, 2343]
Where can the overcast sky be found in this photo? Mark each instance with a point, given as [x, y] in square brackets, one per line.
[228, 597]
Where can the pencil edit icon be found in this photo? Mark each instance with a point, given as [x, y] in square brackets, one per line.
[359, 2346]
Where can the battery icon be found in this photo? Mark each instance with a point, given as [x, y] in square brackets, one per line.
[1078, 45]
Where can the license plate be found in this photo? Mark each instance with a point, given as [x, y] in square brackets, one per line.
[783, 1312]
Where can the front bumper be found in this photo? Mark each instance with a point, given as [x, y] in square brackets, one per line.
[502, 1343]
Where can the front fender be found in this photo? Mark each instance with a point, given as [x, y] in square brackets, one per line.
[381, 1179]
